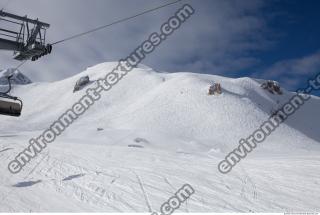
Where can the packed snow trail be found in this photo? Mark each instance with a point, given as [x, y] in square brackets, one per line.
[152, 133]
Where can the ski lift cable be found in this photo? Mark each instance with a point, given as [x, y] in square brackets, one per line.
[115, 22]
[20, 65]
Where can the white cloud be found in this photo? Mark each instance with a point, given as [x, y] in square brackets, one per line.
[218, 39]
[301, 66]
[291, 72]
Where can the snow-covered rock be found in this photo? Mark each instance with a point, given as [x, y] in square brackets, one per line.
[81, 83]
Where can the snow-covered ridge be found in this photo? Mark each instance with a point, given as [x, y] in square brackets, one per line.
[173, 103]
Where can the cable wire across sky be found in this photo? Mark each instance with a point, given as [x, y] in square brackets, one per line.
[116, 22]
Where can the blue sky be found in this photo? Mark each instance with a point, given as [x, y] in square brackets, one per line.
[297, 23]
[295, 55]
[273, 39]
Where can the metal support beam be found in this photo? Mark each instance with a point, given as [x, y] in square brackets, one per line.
[24, 19]
[29, 42]
[34, 35]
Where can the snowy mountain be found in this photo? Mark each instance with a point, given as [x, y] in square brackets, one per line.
[154, 132]
[17, 78]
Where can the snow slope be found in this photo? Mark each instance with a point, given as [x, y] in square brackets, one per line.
[154, 132]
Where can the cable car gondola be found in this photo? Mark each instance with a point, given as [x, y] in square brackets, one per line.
[10, 105]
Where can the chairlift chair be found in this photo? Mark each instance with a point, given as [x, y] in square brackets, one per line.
[10, 105]
[26, 37]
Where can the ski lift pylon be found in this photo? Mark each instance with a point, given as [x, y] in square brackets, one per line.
[26, 37]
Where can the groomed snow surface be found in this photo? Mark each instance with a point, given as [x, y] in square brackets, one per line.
[151, 134]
